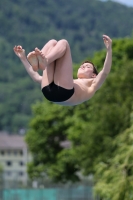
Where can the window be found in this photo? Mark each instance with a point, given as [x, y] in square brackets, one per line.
[9, 163]
[8, 173]
[15, 152]
[8, 152]
[21, 152]
[21, 163]
[21, 173]
[2, 152]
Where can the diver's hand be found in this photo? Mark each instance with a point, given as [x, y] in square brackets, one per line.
[19, 51]
[108, 42]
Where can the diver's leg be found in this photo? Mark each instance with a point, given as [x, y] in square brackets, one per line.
[63, 73]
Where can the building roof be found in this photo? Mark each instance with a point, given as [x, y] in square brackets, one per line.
[12, 141]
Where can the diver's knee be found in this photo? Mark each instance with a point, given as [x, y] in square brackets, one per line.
[53, 42]
[64, 42]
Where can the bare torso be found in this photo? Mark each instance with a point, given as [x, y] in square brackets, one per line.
[82, 92]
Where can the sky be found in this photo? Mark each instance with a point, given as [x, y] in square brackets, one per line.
[125, 2]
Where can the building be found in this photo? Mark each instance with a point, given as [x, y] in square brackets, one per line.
[14, 157]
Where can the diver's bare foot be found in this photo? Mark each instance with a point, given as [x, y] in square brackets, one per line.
[41, 58]
[32, 58]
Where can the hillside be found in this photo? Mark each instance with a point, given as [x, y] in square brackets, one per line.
[32, 24]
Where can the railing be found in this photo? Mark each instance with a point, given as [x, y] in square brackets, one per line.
[79, 192]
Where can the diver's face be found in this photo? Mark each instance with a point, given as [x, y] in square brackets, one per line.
[86, 71]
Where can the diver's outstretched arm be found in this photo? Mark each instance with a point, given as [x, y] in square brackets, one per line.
[108, 59]
[100, 78]
[20, 52]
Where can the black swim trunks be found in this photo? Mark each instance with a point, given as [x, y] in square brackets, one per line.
[55, 93]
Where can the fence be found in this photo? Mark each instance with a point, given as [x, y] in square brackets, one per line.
[71, 193]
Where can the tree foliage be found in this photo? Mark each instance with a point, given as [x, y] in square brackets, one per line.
[47, 131]
[114, 178]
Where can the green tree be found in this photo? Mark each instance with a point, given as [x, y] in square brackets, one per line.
[47, 130]
[114, 178]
